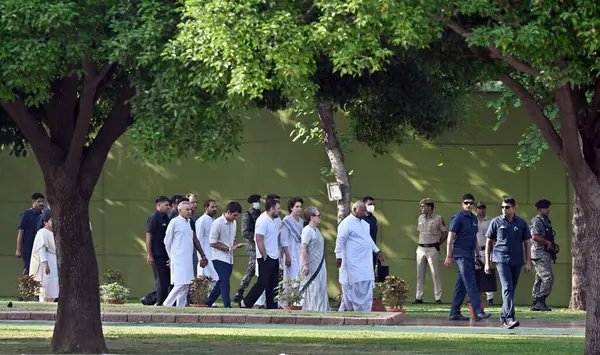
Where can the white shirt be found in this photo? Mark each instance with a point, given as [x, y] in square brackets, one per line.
[203, 225]
[222, 231]
[269, 228]
[355, 247]
[482, 228]
[179, 242]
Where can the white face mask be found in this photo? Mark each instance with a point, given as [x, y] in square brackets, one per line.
[371, 208]
[256, 205]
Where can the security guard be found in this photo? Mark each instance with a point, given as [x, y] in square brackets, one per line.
[543, 251]
[432, 232]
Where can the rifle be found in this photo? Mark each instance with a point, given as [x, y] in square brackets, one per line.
[553, 250]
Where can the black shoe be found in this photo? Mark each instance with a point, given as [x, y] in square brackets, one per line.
[438, 301]
[418, 301]
[511, 324]
[238, 297]
[482, 316]
[545, 307]
[56, 300]
[537, 305]
[143, 301]
[490, 302]
[458, 317]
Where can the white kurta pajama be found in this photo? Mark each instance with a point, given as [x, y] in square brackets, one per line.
[44, 250]
[179, 242]
[203, 225]
[290, 237]
[355, 247]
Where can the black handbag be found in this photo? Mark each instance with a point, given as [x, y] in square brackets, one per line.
[486, 282]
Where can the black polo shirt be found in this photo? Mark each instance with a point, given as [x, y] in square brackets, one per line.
[29, 224]
[157, 227]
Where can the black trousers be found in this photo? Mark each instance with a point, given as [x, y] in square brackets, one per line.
[162, 277]
[268, 278]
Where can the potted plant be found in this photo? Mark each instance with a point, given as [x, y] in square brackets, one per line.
[288, 291]
[378, 305]
[114, 293]
[394, 291]
[113, 276]
[199, 291]
[29, 288]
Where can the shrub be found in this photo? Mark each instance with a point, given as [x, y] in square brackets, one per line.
[29, 288]
[113, 276]
[288, 291]
[113, 292]
[378, 292]
[200, 289]
[394, 291]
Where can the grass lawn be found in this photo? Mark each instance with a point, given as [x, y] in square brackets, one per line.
[34, 339]
[412, 311]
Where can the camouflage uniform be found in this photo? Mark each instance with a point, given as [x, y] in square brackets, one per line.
[248, 223]
[544, 278]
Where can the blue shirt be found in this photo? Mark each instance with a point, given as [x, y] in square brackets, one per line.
[29, 224]
[465, 226]
[508, 239]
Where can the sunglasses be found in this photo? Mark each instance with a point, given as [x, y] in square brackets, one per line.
[470, 203]
[506, 207]
[317, 215]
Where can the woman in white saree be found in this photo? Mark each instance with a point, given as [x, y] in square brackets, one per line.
[44, 264]
[314, 272]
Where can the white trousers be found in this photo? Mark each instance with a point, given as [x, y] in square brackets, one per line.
[432, 257]
[178, 296]
[488, 295]
[345, 304]
[360, 295]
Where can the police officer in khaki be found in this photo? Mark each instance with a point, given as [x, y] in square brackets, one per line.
[432, 233]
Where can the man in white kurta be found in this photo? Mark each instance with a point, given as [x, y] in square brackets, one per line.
[203, 225]
[354, 249]
[180, 243]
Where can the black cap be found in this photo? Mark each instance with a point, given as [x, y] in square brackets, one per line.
[253, 198]
[543, 204]
[480, 204]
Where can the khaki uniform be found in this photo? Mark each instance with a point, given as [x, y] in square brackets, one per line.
[482, 228]
[431, 230]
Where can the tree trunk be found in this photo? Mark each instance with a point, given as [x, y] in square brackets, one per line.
[78, 326]
[579, 247]
[592, 321]
[336, 158]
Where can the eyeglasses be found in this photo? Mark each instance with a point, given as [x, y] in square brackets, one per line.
[506, 207]
[470, 203]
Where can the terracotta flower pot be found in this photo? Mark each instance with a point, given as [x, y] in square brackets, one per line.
[292, 308]
[198, 305]
[378, 306]
[390, 309]
[114, 302]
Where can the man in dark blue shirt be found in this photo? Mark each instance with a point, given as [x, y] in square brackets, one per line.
[508, 235]
[28, 227]
[372, 220]
[156, 228]
[462, 248]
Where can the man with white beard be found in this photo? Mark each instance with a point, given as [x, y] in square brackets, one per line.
[354, 250]
[180, 243]
[203, 225]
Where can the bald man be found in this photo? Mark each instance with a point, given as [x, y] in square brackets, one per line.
[354, 249]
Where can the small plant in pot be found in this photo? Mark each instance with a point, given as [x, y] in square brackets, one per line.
[288, 291]
[378, 305]
[29, 288]
[394, 291]
[199, 291]
[114, 293]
